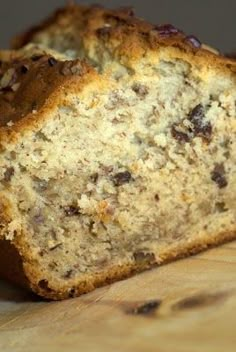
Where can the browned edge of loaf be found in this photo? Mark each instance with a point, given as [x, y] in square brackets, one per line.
[12, 267]
[129, 36]
[35, 86]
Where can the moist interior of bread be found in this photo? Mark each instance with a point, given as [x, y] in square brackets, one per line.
[117, 177]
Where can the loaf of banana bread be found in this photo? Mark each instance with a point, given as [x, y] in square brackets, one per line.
[117, 150]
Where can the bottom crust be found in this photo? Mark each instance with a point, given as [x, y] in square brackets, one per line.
[12, 267]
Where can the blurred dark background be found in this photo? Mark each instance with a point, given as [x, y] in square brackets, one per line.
[211, 20]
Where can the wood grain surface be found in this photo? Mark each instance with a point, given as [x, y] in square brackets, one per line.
[189, 305]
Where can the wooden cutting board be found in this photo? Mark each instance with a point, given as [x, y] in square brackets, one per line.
[189, 305]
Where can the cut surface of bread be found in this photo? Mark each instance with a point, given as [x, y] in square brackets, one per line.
[118, 150]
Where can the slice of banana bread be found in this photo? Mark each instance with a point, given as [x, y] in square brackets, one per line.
[108, 170]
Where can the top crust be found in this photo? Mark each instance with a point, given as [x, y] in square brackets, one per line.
[20, 95]
[31, 83]
[30, 87]
[126, 35]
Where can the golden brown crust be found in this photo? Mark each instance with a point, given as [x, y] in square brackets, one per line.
[19, 95]
[14, 268]
[127, 36]
[31, 86]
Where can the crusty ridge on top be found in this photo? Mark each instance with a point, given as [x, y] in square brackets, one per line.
[23, 95]
[125, 36]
